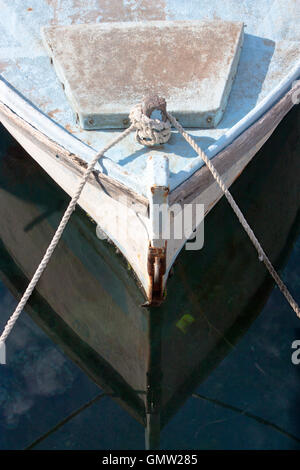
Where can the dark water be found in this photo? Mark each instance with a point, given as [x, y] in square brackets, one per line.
[249, 401]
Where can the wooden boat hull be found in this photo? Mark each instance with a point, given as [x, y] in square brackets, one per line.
[105, 202]
[151, 359]
[252, 87]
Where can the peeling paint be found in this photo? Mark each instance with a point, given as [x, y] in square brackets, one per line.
[69, 128]
[53, 112]
[4, 64]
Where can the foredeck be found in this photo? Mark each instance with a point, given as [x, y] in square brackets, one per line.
[270, 52]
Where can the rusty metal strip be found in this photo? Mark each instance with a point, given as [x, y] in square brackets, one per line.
[156, 265]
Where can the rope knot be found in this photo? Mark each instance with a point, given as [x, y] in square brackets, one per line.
[151, 131]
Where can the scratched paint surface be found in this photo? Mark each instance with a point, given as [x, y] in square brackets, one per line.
[158, 59]
[271, 48]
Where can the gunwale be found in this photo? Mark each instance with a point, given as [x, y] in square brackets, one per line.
[190, 188]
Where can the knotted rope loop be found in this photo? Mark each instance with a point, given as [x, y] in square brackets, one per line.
[151, 131]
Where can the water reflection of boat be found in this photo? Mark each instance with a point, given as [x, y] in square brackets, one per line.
[88, 300]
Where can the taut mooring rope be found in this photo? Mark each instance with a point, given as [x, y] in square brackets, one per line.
[262, 255]
[11, 322]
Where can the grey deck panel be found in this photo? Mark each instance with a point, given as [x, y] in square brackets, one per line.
[106, 67]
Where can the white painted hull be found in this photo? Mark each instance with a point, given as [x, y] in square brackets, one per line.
[35, 110]
[127, 228]
[128, 234]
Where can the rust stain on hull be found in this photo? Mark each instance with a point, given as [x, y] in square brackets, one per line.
[69, 128]
[156, 266]
[54, 111]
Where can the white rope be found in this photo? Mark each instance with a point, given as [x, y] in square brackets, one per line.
[153, 131]
[11, 322]
[149, 131]
[262, 255]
